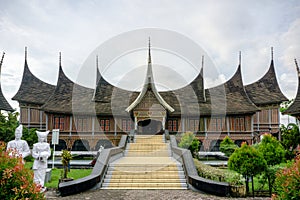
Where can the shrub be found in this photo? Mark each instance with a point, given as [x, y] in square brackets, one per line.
[227, 146]
[212, 173]
[247, 161]
[288, 181]
[16, 182]
[66, 157]
[189, 141]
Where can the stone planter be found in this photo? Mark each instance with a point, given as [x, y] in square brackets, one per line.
[238, 191]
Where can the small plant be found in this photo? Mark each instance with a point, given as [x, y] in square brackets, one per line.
[189, 141]
[227, 146]
[288, 182]
[16, 181]
[66, 157]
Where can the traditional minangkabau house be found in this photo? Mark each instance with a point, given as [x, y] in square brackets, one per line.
[32, 94]
[4, 105]
[267, 96]
[294, 108]
[88, 118]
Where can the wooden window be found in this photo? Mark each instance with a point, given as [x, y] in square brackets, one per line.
[105, 124]
[216, 124]
[172, 125]
[239, 123]
[126, 124]
[194, 124]
[59, 122]
[81, 124]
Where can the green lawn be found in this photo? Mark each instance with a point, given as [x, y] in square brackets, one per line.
[56, 174]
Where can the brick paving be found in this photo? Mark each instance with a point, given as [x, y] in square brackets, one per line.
[142, 194]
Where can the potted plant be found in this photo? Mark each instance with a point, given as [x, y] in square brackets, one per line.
[66, 157]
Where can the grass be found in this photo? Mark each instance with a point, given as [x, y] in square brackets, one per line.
[74, 173]
[56, 174]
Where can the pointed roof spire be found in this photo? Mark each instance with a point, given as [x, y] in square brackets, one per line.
[240, 57]
[272, 53]
[1, 65]
[25, 53]
[149, 83]
[297, 67]
[59, 59]
[2, 60]
[149, 52]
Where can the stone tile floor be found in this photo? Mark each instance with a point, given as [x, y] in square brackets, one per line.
[143, 195]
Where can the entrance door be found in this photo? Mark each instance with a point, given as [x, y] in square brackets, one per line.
[149, 126]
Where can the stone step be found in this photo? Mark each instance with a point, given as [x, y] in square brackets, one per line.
[143, 168]
[114, 172]
[145, 176]
[144, 185]
[149, 180]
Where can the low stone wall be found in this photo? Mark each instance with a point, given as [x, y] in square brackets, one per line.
[98, 173]
[205, 185]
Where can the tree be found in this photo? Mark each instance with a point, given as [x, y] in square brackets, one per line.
[227, 146]
[247, 161]
[273, 152]
[290, 139]
[189, 141]
[8, 124]
[284, 105]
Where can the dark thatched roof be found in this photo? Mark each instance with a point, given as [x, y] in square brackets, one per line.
[4, 105]
[33, 90]
[266, 91]
[61, 100]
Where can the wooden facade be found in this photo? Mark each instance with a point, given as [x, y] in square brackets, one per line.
[92, 121]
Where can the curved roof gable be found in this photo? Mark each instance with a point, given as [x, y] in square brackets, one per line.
[69, 97]
[4, 105]
[32, 89]
[294, 108]
[266, 90]
[149, 85]
[236, 99]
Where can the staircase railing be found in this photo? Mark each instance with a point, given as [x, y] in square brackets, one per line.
[206, 185]
[96, 177]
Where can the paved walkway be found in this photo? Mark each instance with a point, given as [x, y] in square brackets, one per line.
[142, 194]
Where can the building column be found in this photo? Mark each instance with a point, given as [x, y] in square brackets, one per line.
[258, 121]
[205, 126]
[47, 122]
[135, 123]
[279, 134]
[227, 124]
[270, 120]
[28, 118]
[115, 126]
[164, 123]
[41, 120]
[183, 124]
[71, 125]
[93, 126]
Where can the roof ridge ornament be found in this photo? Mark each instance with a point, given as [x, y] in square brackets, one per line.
[149, 82]
[60, 59]
[240, 57]
[272, 53]
[25, 53]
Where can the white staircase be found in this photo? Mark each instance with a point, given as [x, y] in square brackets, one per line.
[147, 164]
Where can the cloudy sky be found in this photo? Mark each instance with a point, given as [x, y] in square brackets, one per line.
[221, 28]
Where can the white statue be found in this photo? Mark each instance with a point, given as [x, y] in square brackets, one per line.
[40, 153]
[20, 146]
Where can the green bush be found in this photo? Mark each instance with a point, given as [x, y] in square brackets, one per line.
[288, 182]
[227, 146]
[221, 175]
[189, 141]
[16, 182]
